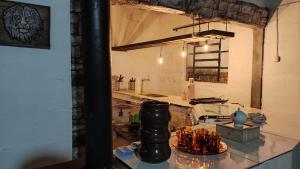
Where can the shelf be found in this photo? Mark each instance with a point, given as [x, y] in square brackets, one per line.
[209, 52]
[207, 67]
[196, 37]
[212, 44]
[206, 60]
[206, 75]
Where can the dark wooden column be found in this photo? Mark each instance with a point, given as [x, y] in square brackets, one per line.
[97, 86]
[257, 67]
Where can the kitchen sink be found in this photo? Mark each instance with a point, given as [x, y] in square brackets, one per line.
[154, 95]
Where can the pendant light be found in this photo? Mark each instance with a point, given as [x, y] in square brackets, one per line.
[160, 59]
[206, 46]
[183, 52]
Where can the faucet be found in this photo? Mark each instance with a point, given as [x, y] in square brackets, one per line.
[142, 84]
[139, 84]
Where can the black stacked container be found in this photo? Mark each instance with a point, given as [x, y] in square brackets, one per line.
[154, 132]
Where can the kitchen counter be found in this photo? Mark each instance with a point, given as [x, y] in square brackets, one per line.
[274, 149]
[270, 151]
[214, 109]
[183, 105]
[131, 96]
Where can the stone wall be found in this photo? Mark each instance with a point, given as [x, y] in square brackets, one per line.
[232, 10]
[77, 78]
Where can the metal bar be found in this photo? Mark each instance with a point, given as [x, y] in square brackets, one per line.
[212, 44]
[207, 67]
[193, 24]
[97, 86]
[208, 75]
[194, 63]
[205, 60]
[213, 32]
[199, 25]
[277, 35]
[209, 52]
[219, 60]
[153, 43]
[226, 19]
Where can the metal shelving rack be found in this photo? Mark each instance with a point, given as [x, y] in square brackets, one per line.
[218, 60]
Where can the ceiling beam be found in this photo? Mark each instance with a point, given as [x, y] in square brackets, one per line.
[231, 10]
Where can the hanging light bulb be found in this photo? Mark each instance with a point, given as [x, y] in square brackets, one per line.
[160, 59]
[183, 52]
[206, 46]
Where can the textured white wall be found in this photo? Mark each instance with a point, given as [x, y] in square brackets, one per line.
[238, 88]
[169, 77]
[36, 98]
[281, 83]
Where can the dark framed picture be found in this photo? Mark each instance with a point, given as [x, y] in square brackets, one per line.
[24, 25]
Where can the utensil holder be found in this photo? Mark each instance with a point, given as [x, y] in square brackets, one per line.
[131, 85]
[117, 86]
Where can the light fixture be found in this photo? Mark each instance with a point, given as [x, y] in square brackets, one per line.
[160, 59]
[277, 58]
[206, 46]
[183, 52]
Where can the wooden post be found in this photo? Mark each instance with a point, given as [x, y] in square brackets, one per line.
[97, 87]
[257, 67]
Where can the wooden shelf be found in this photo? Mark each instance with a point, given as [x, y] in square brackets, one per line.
[198, 36]
[206, 75]
[209, 52]
[211, 44]
[207, 67]
[206, 60]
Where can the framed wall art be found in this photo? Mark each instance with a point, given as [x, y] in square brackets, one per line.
[24, 25]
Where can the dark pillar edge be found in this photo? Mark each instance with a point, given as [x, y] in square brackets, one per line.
[97, 84]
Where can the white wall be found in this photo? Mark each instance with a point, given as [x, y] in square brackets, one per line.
[35, 96]
[281, 83]
[132, 25]
[238, 88]
[169, 77]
